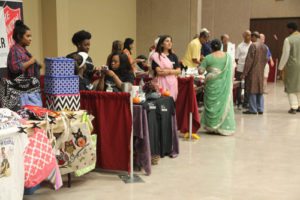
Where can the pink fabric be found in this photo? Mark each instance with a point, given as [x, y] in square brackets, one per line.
[166, 82]
[39, 159]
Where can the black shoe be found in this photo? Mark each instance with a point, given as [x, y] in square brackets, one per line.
[298, 110]
[293, 111]
[249, 113]
[260, 113]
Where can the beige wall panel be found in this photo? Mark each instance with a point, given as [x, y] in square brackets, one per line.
[32, 18]
[231, 17]
[157, 17]
[107, 20]
[272, 8]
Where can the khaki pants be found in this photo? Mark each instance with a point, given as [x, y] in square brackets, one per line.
[294, 99]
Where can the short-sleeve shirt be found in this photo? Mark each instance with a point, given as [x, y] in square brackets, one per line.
[192, 52]
[172, 57]
[206, 49]
[241, 54]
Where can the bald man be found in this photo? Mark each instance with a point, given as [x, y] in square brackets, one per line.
[228, 47]
[240, 57]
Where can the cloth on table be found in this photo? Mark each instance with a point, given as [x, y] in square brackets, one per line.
[112, 125]
[39, 159]
[36, 113]
[186, 103]
[150, 108]
[141, 142]
[12, 146]
[162, 127]
[9, 119]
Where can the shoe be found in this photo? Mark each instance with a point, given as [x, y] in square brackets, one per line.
[298, 110]
[292, 111]
[249, 113]
[260, 113]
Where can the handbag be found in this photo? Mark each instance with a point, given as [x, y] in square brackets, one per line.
[11, 90]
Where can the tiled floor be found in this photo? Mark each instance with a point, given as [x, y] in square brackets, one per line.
[260, 162]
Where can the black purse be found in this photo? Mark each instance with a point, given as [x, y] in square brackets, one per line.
[11, 90]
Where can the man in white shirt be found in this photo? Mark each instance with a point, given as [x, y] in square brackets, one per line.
[290, 60]
[228, 47]
[240, 57]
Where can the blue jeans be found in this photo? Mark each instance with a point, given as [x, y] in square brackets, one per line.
[33, 99]
[256, 103]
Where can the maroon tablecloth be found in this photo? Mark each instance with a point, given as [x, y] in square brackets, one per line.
[112, 124]
[186, 103]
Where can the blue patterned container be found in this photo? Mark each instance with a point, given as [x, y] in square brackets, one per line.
[61, 85]
[60, 66]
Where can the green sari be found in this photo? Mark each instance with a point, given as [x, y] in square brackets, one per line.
[218, 115]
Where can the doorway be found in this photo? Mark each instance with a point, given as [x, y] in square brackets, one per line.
[275, 31]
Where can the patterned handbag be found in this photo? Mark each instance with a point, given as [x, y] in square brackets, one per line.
[11, 90]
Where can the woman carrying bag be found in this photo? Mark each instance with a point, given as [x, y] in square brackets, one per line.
[23, 69]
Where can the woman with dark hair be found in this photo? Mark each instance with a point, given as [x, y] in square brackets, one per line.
[82, 41]
[165, 66]
[218, 115]
[20, 63]
[117, 47]
[118, 72]
[128, 47]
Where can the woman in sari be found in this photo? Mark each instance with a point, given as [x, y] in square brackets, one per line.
[218, 115]
[165, 66]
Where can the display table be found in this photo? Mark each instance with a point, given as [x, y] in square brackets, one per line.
[112, 124]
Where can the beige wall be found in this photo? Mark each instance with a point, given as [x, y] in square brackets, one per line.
[32, 16]
[233, 16]
[272, 8]
[54, 22]
[177, 18]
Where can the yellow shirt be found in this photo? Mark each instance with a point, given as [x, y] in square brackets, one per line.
[193, 51]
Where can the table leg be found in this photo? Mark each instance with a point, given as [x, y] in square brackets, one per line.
[190, 125]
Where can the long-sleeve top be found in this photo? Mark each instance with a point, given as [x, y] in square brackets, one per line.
[285, 54]
[17, 56]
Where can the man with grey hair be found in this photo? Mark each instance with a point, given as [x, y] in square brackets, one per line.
[253, 73]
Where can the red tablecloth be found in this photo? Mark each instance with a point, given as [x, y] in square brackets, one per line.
[112, 124]
[186, 103]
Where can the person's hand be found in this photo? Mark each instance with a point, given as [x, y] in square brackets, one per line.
[98, 68]
[272, 63]
[32, 60]
[243, 77]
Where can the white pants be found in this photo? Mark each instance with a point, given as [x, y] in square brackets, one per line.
[266, 71]
[294, 99]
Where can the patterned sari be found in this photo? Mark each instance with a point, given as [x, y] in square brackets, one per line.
[218, 115]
